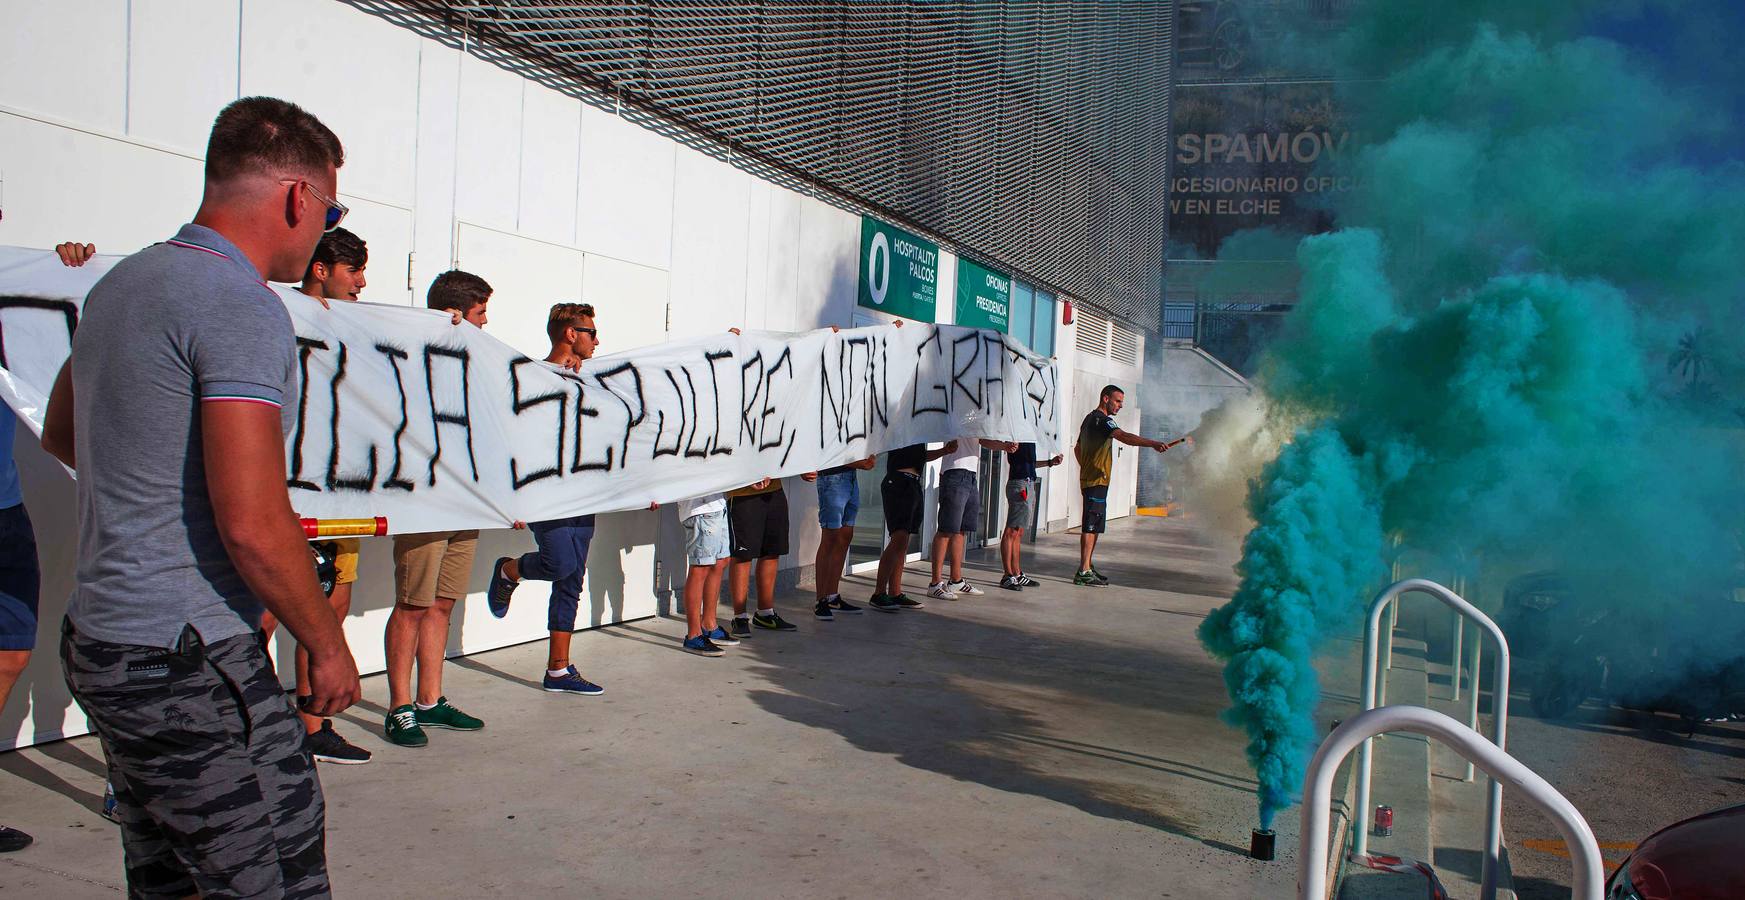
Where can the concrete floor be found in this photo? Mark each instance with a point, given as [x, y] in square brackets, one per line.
[1060, 742]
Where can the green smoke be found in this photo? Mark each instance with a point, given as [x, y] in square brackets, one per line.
[1483, 350]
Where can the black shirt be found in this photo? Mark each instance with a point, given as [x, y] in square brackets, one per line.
[1021, 463]
[913, 457]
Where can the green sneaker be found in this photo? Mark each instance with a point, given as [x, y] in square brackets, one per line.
[402, 728]
[1088, 579]
[443, 715]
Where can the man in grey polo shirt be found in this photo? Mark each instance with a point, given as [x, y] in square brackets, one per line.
[183, 370]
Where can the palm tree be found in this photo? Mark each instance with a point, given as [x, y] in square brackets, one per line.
[1692, 357]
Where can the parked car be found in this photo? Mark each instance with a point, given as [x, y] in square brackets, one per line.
[1570, 647]
[1696, 859]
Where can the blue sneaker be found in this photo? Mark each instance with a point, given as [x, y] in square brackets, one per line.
[572, 682]
[722, 637]
[702, 646]
[497, 596]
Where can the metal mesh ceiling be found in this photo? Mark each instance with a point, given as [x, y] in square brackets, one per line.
[1031, 135]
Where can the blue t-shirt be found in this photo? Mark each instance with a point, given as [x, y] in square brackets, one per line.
[10, 495]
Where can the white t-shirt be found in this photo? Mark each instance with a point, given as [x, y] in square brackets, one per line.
[967, 457]
[699, 506]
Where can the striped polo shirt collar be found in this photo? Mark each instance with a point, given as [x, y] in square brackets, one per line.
[199, 238]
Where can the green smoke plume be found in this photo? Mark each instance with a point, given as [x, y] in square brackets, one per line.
[1488, 352]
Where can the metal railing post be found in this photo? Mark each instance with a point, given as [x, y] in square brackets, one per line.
[1584, 853]
[1455, 661]
[1374, 683]
[1475, 665]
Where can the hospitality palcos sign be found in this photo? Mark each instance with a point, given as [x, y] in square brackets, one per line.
[899, 272]
[984, 297]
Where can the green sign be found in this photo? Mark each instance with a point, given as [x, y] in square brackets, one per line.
[899, 272]
[984, 297]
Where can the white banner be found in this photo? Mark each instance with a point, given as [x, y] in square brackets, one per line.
[438, 426]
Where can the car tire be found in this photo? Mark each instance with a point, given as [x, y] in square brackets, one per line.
[1557, 692]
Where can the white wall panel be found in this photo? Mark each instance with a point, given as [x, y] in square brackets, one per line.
[826, 260]
[387, 231]
[356, 72]
[625, 197]
[551, 129]
[630, 300]
[752, 310]
[710, 207]
[527, 277]
[64, 184]
[66, 59]
[488, 145]
[433, 228]
[182, 69]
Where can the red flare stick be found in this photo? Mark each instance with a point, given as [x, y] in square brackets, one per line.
[329, 528]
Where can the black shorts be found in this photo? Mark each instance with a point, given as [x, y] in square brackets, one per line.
[757, 525]
[904, 502]
[1096, 509]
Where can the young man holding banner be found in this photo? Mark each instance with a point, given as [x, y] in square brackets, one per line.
[430, 577]
[757, 518]
[336, 272]
[1022, 489]
[561, 552]
[905, 507]
[959, 508]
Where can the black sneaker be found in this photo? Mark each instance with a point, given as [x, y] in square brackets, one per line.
[821, 611]
[741, 628]
[501, 590]
[12, 840]
[884, 603]
[772, 622]
[843, 606]
[1011, 583]
[906, 602]
[1026, 581]
[327, 746]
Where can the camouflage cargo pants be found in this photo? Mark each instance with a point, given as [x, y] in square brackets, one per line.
[215, 792]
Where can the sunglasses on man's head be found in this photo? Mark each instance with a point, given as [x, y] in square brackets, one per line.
[335, 210]
[590, 332]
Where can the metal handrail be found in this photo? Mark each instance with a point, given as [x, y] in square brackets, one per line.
[1493, 829]
[1584, 853]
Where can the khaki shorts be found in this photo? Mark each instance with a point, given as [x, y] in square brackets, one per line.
[433, 564]
[345, 561]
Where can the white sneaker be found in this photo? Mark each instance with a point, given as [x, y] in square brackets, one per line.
[965, 588]
[942, 591]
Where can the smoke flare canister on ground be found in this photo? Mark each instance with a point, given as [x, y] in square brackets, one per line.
[1261, 843]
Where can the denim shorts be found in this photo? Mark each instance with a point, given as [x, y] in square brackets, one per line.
[960, 501]
[1020, 502]
[706, 538]
[20, 580]
[838, 500]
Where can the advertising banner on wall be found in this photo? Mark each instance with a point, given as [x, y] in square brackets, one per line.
[899, 272]
[984, 297]
[439, 426]
[1249, 156]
